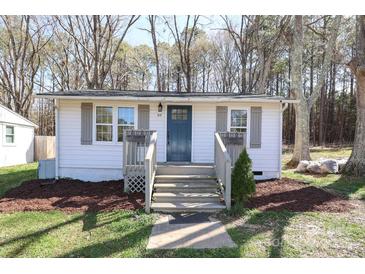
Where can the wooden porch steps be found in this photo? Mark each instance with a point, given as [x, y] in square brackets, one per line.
[186, 188]
[187, 207]
[184, 177]
[186, 196]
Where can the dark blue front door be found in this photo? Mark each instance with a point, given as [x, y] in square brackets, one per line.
[179, 133]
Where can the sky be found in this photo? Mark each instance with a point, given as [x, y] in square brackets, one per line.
[137, 36]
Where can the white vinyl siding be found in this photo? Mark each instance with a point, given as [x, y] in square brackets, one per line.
[103, 160]
[21, 150]
[203, 133]
[16, 138]
[92, 162]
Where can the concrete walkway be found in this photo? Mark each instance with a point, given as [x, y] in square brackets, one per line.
[189, 230]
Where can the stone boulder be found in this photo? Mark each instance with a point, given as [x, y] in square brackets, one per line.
[328, 166]
[302, 166]
[314, 167]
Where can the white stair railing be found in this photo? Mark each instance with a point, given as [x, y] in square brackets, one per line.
[223, 166]
[150, 165]
[135, 146]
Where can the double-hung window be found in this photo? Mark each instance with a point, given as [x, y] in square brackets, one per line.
[125, 120]
[104, 124]
[9, 135]
[238, 120]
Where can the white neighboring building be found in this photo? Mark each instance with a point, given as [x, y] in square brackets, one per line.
[16, 138]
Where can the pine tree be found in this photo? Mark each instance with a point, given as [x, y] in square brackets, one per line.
[243, 183]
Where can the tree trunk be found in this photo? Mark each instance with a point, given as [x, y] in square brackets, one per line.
[301, 147]
[152, 20]
[356, 164]
[302, 110]
[321, 115]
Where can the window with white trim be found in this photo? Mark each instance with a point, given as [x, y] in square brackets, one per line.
[9, 135]
[104, 124]
[125, 120]
[238, 120]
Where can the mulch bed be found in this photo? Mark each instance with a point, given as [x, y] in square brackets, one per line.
[70, 196]
[292, 195]
[77, 196]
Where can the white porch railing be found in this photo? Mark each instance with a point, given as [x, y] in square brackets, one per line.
[223, 167]
[135, 146]
[234, 142]
[150, 166]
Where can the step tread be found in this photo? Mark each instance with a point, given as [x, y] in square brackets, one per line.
[203, 177]
[185, 185]
[186, 166]
[186, 205]
[186, 195]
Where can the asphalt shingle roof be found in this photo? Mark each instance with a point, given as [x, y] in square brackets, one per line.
[134, 93]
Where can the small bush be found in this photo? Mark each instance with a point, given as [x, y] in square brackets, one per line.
[243, 183]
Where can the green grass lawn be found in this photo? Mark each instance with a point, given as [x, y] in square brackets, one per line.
[321, 152]
[350, 187]
[14, 176]
[125, 233]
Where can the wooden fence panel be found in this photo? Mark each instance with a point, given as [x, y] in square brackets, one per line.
[44, 147]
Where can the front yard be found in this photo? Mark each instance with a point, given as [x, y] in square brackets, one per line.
[124, 233]
[350, 187]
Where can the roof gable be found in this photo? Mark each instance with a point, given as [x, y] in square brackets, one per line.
[11, 117]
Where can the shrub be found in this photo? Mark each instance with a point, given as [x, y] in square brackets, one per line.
[243, 183]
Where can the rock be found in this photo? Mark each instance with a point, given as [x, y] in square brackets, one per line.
[329, 166]
[341, 164]
[314, 167]
[302, 166]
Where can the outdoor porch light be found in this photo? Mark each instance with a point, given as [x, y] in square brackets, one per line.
[160, 107]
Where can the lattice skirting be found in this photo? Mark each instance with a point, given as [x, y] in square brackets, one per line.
[136, 183]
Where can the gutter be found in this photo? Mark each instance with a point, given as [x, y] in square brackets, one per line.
[168, 99]
[286, 104]
[282, 109]
[57, 138]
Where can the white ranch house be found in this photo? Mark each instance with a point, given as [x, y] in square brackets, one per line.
[176, 147]
[16, 138]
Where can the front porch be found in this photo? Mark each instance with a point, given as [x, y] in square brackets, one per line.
[180, 186]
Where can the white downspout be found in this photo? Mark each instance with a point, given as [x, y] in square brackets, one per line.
[282, 109]
[57, 138]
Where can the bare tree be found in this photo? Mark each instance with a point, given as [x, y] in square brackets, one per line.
[152, 20]
[356, 163]
[184, 42]
[226, 65]
[97, 40]
[256, 40]
[267, 45]
[242, 39]
[302, 110]
[21, 42]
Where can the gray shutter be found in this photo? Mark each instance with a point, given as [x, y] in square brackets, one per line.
[255, 128]
[143, 116]
[221, 119]
[86, 123]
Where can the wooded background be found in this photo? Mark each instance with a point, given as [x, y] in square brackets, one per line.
[245, 54]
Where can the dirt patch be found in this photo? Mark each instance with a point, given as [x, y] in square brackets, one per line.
[292, 195]
[70, 196]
